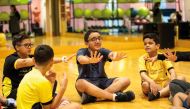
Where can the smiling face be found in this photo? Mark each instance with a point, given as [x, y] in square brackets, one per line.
[150, 45]
[94, 41]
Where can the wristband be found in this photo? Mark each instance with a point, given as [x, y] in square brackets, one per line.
[64, 59]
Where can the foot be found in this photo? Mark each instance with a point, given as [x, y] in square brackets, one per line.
[152, 97]
[126, 96]
[87, 98]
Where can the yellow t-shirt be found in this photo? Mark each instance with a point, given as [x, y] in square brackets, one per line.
[34, 88]
[157, 71]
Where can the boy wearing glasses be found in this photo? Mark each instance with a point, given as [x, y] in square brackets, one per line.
[18, 64]
[92, 83]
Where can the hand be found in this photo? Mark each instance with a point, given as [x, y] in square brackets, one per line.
[66, 59]
[51, 76]
[95, 58]
[153, 88]
[63, 80]
[116, 56]
[170, 56]
[10, 102]
[152, 59]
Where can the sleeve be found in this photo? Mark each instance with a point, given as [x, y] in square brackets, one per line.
[11, 61]
[45, 92]
[141, 64]
[168, 65]
[105, 53]
[161, 57]
[183, 56]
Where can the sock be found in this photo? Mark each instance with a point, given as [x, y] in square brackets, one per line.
[114, 95]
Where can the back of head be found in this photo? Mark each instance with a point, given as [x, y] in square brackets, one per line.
[87, 34]
[17, 39]
[153, 36]
[43, 54]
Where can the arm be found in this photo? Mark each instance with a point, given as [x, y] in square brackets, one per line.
[56, 101]
[116, 56]
[173, 74]
[63, 59]
[20, 63]
[94, 58]
[175, 56]
[145, 77]
[59, 95]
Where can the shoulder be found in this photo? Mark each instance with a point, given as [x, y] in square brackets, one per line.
[12, 57]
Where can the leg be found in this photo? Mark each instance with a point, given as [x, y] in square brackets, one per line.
[87, 87]
[178, 100]
[70, 106]
[178, 86]
[145, 87]
[119, 84]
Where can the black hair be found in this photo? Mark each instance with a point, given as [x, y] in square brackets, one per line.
[14, 8]
[42, 54]
[17, 39]
[87, 34]
[153, 36]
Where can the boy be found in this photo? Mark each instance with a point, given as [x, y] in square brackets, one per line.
[93, 83]
[35, 90]
[154, 76]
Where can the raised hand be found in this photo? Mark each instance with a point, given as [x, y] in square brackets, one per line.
[63, 80]
[170, 56]
[150, 59]
[95, 57]
[51, 76]
[116, 56]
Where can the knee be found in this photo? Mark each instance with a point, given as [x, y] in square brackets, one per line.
[80, 84]
[179, 94]
[181, 78]
[76, 106]
[145, 87]
[126, 81]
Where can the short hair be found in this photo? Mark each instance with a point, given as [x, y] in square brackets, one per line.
[153, 36]
[87, 34]
[17, 39]
[43, 54]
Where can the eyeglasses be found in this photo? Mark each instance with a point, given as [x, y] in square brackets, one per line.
[26, 45]
[95, 39]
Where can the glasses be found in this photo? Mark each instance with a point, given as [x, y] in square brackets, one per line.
[95, 39]
[27, 45]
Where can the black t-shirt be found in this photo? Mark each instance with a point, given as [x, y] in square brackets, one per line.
[93, 70]
[15, 75]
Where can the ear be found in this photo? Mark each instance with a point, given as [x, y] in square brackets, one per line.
[33, 61]
[158, 46]
[17, 47]
[86, 43]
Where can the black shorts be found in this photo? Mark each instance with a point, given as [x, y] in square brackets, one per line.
[102, 83]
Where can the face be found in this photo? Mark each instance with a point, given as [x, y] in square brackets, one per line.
[150, 45]
[24, 48]
[94, 41]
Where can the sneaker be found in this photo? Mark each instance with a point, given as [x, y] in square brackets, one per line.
[152, 97]
[87, 98]
[126, 96]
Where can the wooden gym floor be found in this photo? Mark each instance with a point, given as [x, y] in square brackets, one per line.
[132, 45]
